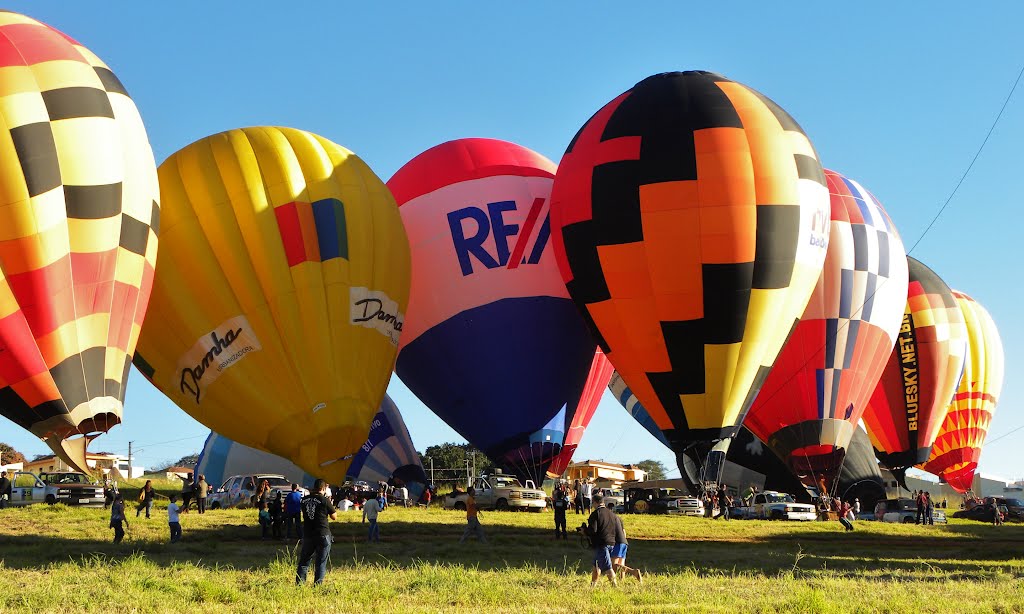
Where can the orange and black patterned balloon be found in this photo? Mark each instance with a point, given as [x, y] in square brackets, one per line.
[78, 217]
[690, 222]
[910, 401]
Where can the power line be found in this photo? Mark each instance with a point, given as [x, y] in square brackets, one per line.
[1007, 434]
[973, 160]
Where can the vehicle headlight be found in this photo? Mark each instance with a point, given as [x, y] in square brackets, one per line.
[515, 495]
[63, 492]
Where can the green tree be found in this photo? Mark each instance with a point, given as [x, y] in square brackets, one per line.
[449, 462]
[9, 455]
[655, 469]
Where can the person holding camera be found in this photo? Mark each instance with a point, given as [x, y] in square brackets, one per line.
[601, 529]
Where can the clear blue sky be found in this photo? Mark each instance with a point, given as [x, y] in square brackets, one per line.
[895, 95]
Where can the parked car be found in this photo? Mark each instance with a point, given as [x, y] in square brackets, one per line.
[614, 498]
[662, 501]
[67, 487]
[981, 513]
[772, 505]
[500, 492]
[904, 511]
[240, 490]
[1014, 509]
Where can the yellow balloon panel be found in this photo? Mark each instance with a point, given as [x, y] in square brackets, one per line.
[276, 313]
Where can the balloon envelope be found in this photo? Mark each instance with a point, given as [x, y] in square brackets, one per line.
[276, 312]
[957, 447]
[388, 452]
[77, 236]
[817, 390]
[600, 373]
[689, 217]
[492, 344]
[909, 403]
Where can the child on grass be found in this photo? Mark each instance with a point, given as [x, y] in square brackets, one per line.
[172, 519]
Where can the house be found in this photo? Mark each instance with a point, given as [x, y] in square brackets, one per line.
[604, 474]
[105, 463]
[173, 473]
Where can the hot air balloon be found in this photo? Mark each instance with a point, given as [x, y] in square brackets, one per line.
[387, 453]
[689, 217]
[957, 447]
[597, 381]
[492, 345]
[633, 406]
[276, 313]
[909, 403]
[77, 236]
[818, 389]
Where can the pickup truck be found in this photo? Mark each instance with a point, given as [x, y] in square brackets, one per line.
[772, 505]
[662, 501]
[500, 492]
[67, 487]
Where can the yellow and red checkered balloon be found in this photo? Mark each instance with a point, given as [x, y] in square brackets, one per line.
[78, 218]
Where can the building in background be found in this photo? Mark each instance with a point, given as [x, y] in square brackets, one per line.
[604, 474]
[115, 465]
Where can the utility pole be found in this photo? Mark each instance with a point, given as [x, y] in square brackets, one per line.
[129, 460]
[474, 464]
[432, 482]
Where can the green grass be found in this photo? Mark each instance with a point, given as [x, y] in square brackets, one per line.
[60, 559]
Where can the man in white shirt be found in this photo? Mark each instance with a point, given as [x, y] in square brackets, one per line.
[370, 510]
[172, 519]
[588, 493]
[344, 505]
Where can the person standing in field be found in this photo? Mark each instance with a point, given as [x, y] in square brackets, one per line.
[919, 499]
[173, 522]
[560, 503]
[117, 518]
[601, 530]
[5, 489]
[473, 526]
[588, 495]
[146, 496]
[619, 553]
[201, 491]
[371, 509]
[577, 496]
[929, 508]
[723, 502]
[187, 487]
[293, 512]
[316, 533]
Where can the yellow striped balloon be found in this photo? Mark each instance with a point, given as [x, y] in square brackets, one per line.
[277, 307]
[957, 449]
[78, 219]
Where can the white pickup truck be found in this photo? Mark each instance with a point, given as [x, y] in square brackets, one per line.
[500, 492]
[772, 505]
[67, 487]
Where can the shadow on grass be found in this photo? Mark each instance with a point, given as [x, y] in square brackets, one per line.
[969, 552]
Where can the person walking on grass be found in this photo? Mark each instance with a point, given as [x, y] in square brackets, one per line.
[619, 553]
[601, 530]
[202, 489]
[723, 502]
[293, 513]
[146, 496]
[316, 534]
[473, 526]
[371, 509]
[560, 503]
[5, 489]
[844, 511]
[172, 519]
[117, 518]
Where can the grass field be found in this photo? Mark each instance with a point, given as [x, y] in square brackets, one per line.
[61, 559]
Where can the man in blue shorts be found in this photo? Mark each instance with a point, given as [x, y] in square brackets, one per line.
[601, 529]
[619, 553]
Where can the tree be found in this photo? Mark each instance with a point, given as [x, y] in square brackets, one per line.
[8, 455]
[655, 469]
[450, 462]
